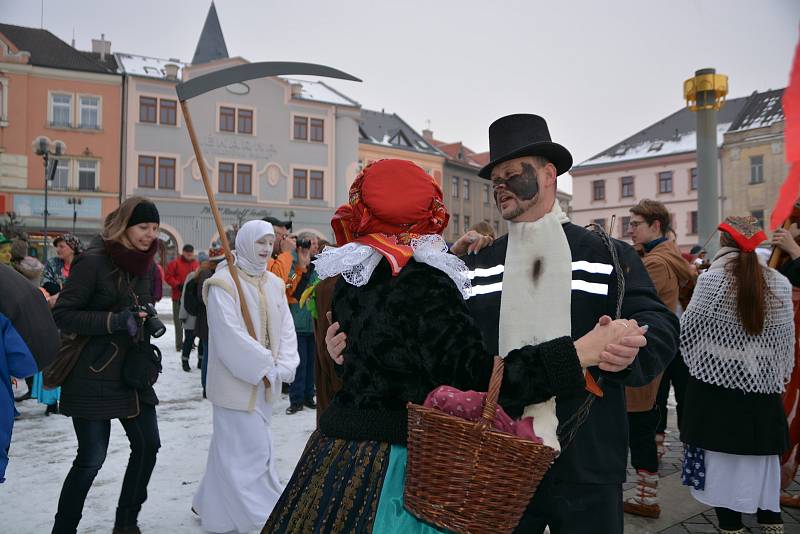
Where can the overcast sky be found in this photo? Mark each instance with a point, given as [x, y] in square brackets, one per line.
[596, 73]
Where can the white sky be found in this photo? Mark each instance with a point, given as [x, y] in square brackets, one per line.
[597, 71]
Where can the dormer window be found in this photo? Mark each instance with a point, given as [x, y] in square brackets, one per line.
[400, 140]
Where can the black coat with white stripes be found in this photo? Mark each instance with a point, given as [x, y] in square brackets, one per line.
[598, 454]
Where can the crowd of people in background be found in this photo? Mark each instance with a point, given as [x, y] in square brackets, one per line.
[358, 330]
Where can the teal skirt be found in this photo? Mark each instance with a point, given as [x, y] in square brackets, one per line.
[45, 396]
[342, 486]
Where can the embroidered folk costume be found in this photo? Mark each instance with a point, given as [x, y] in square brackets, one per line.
[401, 302]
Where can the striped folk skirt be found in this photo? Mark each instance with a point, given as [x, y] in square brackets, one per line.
[342, 486]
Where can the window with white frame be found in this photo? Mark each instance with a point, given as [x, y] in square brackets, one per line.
[61, 176]
[87, 174]
[89, 112]
[61, 110]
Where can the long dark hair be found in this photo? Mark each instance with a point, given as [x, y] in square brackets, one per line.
[751, 288]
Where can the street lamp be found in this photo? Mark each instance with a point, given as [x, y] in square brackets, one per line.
[705, 94]
[42, 148]
[74, 202]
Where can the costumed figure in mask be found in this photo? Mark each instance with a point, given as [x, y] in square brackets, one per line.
[241, 485]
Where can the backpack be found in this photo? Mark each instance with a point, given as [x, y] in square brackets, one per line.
[191, 302]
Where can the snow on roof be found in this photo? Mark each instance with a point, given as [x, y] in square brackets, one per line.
[762, 111]
[320, 92]
[680, 144]
[150, 67]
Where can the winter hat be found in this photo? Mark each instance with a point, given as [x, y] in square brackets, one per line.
[30, 267]
[215, 253]
[745, 231]
[144, 212]
[202, 256]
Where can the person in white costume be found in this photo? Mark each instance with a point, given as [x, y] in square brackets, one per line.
[241, 486]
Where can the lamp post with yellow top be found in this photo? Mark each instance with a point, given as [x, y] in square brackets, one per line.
[705, 94]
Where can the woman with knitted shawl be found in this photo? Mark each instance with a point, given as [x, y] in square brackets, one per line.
[737, 337]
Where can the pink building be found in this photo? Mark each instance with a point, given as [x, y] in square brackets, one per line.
[658, 163]
[48, 89]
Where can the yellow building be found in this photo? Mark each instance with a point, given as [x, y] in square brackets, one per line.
[753, 157]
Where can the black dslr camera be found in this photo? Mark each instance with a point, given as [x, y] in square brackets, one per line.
[152, 324]
[303, 243]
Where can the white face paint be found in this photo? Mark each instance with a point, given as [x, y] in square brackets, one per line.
[263, 246]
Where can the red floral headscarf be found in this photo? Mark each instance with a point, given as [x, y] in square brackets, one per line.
[746, 231]
[391, 202]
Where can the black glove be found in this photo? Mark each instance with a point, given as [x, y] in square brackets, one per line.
[125, 321]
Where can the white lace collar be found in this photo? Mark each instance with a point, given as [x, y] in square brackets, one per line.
[356, 262]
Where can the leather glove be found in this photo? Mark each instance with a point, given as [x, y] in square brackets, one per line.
[124, 321]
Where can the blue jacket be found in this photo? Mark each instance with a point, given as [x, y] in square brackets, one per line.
[15, 360]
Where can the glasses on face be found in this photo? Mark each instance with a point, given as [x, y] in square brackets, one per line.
[636, 224]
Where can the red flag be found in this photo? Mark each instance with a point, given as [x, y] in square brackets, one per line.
[791, 111]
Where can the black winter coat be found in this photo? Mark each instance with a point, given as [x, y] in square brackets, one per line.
[410, 333]
[598, 454]
[95, 289]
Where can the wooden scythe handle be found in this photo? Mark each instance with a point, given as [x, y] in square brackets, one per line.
[248, 321]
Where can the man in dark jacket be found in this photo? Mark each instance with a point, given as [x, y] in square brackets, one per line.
[582, 492]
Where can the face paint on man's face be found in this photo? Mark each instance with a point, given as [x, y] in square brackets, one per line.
[524, 185]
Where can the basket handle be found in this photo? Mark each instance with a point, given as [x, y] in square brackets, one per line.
[490, 406]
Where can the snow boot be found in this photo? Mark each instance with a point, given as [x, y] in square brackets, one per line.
[645, 502]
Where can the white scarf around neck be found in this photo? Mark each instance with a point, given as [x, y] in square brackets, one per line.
[536, 299]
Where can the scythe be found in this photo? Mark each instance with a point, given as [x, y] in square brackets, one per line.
[222, 78]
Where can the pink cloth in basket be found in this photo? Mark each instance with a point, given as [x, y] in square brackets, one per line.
[469, 405]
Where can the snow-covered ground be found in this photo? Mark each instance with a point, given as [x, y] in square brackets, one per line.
[42, 450]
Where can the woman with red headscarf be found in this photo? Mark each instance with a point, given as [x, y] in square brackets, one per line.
[737, 338]
[401, 299]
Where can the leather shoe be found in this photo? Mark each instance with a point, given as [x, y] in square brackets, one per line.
[186, 366]
[294, 408]
[309, 403]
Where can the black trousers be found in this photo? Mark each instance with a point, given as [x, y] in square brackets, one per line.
[676, 374]
[569, 508]
[93, 437]
[731, 520]
[642, 439]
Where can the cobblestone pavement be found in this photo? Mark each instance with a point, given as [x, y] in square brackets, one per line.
[706, 520]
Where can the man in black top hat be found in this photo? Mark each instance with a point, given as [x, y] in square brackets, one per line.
[549, 277]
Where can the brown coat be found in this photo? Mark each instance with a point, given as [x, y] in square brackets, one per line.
[669, 273]
[327, 381]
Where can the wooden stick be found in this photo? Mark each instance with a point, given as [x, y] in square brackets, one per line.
[218, 220]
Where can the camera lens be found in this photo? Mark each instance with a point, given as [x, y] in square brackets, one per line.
[154, 327]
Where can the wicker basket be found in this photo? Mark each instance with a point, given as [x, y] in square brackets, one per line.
[464, 476]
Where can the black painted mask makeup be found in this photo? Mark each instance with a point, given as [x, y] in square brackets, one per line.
[525, 185]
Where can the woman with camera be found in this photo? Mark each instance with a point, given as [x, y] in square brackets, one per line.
[106, 303]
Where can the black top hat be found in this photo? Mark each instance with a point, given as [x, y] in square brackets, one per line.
[516, 136]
